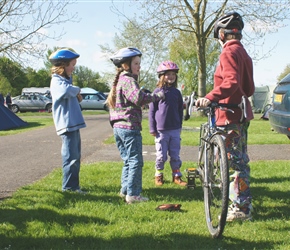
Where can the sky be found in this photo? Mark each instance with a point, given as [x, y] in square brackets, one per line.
[99, 24]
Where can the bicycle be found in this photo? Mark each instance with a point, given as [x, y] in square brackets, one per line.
[213, 168]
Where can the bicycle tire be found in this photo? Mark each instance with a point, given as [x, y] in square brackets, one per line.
[201, 151]
[216, 188]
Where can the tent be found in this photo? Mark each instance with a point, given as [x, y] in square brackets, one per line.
[9, 120]
[261, 98]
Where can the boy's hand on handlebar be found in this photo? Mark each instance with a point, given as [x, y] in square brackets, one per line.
[202, 102]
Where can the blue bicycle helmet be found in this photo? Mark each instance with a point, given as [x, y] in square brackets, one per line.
[123, 55]
[232, 22]
[62, 55]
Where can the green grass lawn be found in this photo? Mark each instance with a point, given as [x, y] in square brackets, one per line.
[40, 216]
[259, 133]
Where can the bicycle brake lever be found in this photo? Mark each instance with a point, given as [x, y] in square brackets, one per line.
[243, 107]
[226, 109]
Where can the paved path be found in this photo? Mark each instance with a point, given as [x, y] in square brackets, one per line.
[30, 156]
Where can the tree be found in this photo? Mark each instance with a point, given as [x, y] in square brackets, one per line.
[12, 73]
[5, 86]
[24, 24]
[152, 49]
[167, 18]
[40, 78]
[85, 77]
[181, 52]
[285, 72]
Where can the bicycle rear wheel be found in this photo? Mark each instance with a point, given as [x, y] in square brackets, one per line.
[216, 189]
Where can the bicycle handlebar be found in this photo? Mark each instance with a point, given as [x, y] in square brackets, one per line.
[242, 105]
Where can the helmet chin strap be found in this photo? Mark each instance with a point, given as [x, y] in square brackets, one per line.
[221, 42]
[221, 39]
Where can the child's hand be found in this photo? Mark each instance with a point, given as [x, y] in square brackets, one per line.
[161, 94]
[80, 98]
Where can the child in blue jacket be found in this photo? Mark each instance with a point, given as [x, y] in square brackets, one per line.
[67, 115]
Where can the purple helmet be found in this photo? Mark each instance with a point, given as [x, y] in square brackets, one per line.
[167, 66]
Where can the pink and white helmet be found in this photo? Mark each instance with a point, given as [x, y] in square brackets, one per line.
[167, 66]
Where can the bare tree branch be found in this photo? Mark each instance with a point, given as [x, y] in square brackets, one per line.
[24, 26]
[169, 17]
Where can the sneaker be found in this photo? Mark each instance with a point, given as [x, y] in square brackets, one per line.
[251, 208]
[235, 213]
[123, 196]
[159, 180]
[233, 207]
[80, 191]
[76, 191]
[135, 199]
[177, 180]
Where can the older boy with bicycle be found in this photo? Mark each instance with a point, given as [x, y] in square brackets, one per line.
[233, 79]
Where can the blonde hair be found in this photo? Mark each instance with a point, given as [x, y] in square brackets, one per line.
[161, 82]
[60, 69]
[111, 99]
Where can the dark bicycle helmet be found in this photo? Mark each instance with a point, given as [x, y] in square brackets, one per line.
[232, 22]
[62, 55]
[167, 66]
[123, 54]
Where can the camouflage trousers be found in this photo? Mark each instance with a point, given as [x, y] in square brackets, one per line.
[235, 137]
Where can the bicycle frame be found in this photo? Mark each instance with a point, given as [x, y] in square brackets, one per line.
[213, 167]
[213, 172]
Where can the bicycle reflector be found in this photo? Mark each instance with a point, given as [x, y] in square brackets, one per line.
[191, 174]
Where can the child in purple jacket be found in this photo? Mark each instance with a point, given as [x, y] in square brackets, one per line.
[165, 123]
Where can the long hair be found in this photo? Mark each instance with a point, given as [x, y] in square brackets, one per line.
[111, 99]
[60, 69]
[161, 82]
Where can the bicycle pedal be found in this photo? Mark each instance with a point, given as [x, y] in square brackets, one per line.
[192, 173]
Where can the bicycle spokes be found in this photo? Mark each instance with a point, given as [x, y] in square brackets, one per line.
[216, 190]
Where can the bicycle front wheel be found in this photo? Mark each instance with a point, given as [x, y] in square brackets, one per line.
[216, 190]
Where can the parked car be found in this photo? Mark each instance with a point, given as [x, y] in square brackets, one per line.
[93, 101]
[33, 102]
[93, 91]
[279, 113]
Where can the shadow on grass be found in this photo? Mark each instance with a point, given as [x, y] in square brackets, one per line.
[33, 124]
[15, 219]
[173, 194]
[137, 241]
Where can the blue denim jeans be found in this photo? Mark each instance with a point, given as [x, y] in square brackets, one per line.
[71, 159]
[129, 143]
[168, 141]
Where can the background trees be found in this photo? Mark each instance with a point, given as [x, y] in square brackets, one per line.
[285, 72]
[179, 30]
[12, 78]
[23, 33]
[169, 21]
[132, 35]
[24, 26]
[85, 77]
